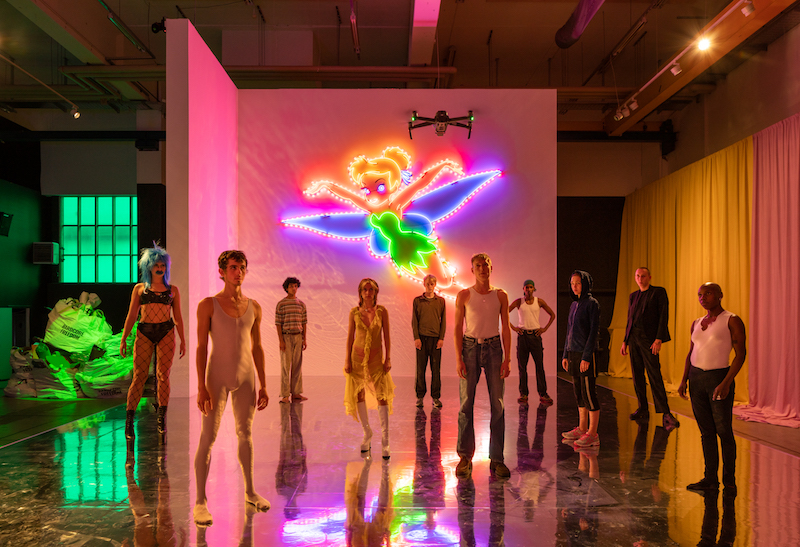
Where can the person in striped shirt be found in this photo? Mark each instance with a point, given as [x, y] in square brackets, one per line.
[290, 323]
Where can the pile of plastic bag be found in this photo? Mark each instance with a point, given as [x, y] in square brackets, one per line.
[79, 356]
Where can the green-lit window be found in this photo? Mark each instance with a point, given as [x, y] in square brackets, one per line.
[99, 238]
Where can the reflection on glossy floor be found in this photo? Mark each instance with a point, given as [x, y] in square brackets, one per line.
[72, 487]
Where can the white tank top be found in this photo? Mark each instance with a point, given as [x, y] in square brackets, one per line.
[528, 314]
[482, 314]
[712, 347]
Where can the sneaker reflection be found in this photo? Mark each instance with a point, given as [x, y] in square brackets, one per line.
[291, 477]
[581, 517]
[429, 480]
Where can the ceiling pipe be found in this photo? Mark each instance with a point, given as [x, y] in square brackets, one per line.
[567, 35]
[126, 31]
[354, 29]
[624, 41]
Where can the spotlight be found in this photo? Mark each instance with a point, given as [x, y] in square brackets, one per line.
[704, 44]
[625, 112]
[159, 26]
[618, 115]
[633, 104]
[748, 8]
[75, 113]
[675, 69]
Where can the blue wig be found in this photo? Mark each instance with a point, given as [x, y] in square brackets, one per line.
[149, 258]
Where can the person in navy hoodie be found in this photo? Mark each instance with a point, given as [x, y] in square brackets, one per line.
[578, 358]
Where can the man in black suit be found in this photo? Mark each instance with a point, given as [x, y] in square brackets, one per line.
[648, 312]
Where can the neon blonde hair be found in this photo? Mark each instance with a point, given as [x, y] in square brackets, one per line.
[150, 257]
[391, 165]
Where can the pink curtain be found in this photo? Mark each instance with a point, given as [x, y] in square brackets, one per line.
[774, 329]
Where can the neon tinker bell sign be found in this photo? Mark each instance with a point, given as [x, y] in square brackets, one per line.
[396, 212]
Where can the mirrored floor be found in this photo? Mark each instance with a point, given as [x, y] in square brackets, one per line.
[71, 486]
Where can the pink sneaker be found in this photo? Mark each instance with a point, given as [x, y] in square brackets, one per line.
[573, 435]
[588, 440]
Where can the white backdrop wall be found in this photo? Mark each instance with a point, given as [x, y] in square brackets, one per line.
[289, 138]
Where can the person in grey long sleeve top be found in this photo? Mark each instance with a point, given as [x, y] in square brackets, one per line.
[428, 322]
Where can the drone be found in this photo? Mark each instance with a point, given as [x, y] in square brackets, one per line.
[440, 122]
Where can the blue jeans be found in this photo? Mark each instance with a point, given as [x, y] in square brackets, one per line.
[487, 356]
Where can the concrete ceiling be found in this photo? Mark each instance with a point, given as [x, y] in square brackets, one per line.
[72, 46]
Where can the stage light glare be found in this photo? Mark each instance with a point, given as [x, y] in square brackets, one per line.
[675, 69]
[704, 44]
[748, 8]
[75, 113]
[618, 115]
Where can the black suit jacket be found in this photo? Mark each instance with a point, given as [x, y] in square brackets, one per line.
[655, 314]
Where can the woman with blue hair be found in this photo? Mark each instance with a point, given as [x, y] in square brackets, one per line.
[155, 302]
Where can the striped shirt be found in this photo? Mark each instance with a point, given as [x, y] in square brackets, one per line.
[290, 315]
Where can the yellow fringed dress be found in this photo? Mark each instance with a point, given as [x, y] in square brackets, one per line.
[367, 359]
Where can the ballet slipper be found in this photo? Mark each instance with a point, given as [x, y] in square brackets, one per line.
[257, 501]
[202, 517]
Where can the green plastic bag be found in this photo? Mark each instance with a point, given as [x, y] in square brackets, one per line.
[111, 345]
[107, 377]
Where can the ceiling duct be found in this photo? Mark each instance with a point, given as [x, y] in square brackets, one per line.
[572, 30]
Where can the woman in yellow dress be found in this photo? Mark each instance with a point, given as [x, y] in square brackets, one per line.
[366, 366]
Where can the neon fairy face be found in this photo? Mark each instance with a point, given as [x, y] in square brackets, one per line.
[397, 225]
[375, 187]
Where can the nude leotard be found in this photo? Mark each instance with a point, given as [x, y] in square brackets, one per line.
[230, 370]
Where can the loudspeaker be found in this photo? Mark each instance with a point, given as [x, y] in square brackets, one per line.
[45, 252]
[5, 223]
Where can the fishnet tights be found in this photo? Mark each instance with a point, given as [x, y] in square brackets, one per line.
[143, 350]
[156, 313]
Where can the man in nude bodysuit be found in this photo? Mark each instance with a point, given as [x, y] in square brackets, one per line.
[236, 355]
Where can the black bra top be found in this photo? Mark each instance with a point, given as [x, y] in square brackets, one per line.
[153, 297]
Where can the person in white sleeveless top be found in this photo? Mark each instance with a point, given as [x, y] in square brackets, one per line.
[480, 310]
[234, 324]
[710, 375]
[529, 341]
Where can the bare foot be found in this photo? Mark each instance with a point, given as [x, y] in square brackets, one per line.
[201, 515]
[299, 398]
[257, 501]
[284, 400]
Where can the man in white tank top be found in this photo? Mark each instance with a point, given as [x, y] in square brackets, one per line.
[710, 378]
[529, 341]
[479, 311]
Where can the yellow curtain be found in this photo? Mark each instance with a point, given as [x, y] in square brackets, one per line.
[690, 227]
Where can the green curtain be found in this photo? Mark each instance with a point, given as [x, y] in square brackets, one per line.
[690, 227]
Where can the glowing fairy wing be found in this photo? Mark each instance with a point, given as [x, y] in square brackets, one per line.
[339, 225]
[446, 200]
[378, 244]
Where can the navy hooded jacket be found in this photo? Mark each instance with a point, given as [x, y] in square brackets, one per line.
[584, 319]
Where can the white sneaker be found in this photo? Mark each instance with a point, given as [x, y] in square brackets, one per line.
[573, 434]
